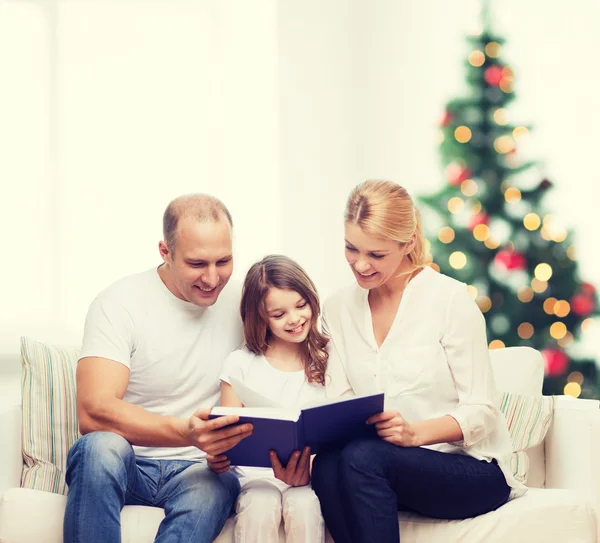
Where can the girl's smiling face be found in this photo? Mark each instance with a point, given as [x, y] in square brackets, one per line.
[290, 315]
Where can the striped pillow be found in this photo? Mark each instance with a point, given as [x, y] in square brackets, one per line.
[528, 419]
[49, 414]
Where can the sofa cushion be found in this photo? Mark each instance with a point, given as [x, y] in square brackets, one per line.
[518, 369]
[528, 419]
[49, 424]
[539, 515]
[30, 516]
[33, 516]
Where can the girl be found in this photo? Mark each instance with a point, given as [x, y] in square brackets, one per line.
[284, 359]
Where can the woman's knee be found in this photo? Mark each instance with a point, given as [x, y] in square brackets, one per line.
[362, 454]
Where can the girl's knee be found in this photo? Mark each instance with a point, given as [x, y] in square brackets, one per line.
[300, 500]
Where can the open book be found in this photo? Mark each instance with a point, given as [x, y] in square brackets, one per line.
[327, 424]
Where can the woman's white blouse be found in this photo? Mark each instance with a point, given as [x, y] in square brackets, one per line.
[433, 362]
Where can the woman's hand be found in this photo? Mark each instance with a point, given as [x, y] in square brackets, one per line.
[392, 428]
[297, 471]
[219, 463]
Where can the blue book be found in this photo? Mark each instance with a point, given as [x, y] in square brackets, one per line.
[319, 427]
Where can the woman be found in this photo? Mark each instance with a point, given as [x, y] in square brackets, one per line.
[443, 449]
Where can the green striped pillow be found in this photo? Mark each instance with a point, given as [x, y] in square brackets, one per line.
[49, 425]
[528, 419]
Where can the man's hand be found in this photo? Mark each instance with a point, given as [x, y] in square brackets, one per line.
[218, 435]
[297, 471]
[392, 428]
[219, 464]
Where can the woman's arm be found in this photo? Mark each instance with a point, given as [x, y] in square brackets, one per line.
[465, 344]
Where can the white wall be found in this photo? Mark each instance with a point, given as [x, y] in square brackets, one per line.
[108, 109]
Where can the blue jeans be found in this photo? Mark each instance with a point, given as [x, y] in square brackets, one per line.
[362, 487]
[104, 474]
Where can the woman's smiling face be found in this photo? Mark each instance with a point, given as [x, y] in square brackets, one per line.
[373, 260]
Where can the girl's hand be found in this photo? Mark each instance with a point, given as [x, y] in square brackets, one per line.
[392, 428]
[297, 471]
[219, 463]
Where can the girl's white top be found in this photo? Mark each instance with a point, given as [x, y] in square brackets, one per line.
[433, 362]
[290, 390]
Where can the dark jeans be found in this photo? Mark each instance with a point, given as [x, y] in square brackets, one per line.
[362, 487]
[104, 474]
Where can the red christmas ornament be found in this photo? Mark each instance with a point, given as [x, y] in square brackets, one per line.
[480, 218]
[493, 75]
[447, 118]
[556, 362]
[582, 305]
[457, 174]
[510, 260]
[588, 289]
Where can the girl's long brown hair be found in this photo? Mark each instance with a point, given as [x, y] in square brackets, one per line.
[282, 272]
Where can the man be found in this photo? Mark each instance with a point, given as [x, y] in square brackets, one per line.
[148, 375]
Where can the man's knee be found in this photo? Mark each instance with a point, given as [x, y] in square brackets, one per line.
[99, 451]
[204, 489]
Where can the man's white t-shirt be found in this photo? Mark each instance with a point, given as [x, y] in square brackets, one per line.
[289, 389]
[174, 349]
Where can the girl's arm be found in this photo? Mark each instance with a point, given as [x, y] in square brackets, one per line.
[229, 397]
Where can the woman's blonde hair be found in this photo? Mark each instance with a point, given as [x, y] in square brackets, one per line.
[282, 272]
[385, 210]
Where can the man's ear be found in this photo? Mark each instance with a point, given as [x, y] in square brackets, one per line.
[164, 251]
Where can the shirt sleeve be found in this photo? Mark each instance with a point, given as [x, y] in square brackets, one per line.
[337, 384]
[234, 366]
[108, 331]
[465, 343]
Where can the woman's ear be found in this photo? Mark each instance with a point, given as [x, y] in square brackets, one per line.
[410, 244]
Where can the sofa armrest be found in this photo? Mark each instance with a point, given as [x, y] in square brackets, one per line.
[11, 461]
[572, 448]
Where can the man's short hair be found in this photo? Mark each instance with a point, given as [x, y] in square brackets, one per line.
[202, 207]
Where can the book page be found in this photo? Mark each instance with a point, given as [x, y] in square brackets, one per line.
[258, 412]
[249, 397]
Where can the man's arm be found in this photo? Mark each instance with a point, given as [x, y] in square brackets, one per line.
[101, 385]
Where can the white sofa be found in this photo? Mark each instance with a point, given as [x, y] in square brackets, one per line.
[561, 505]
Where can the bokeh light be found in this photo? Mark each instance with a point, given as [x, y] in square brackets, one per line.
[512, 194]
[476, 58]
[493, 49]
[572, 389]
[481, 232]
[531, 221]
[496, 344]
[525, 294]
[558, 330]
[456, 205]
[458, 260]
[469, 187]
[462, 134]
[539, 286]
[446, 234]
[525, 330]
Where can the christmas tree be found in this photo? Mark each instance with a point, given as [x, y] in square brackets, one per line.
[490, 228]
